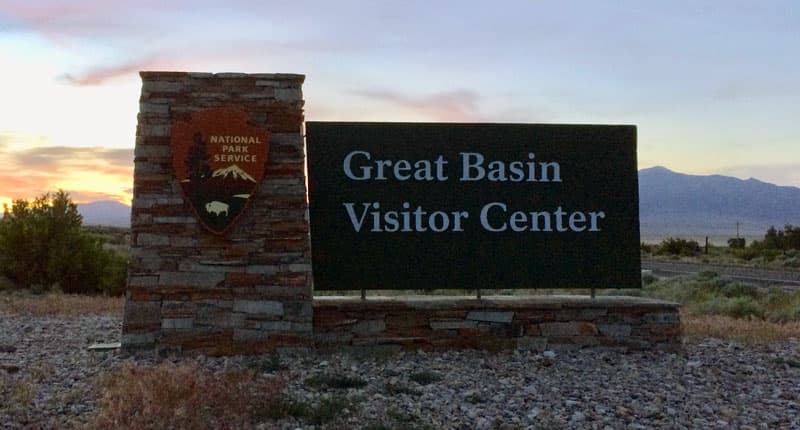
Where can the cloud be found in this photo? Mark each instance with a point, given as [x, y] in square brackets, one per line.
[58, 158]
[457, 105]
[11, 140]
[92, 196]
[87, 173]
[57, 19]
[99, 75]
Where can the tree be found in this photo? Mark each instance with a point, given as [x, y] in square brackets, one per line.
[792, 237]
[736, 243]
[774, 238]
[676, 246]
[42, 243]
[197, 166]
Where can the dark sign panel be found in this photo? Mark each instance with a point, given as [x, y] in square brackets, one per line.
[466, 206]
[219, 160]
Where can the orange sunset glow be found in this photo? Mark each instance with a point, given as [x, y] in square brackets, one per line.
[712, 89]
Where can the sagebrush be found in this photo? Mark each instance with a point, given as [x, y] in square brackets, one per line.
[43, 246]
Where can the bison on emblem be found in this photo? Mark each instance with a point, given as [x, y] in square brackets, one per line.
[217, 208]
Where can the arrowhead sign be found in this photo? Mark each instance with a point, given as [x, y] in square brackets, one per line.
[219, 160]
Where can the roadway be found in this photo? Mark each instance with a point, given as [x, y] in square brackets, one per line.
[786, 278]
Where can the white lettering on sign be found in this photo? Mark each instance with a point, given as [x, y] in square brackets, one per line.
[235, 158]
[519, 221]
[359, 166]
[405, 220]
[494, 217]
[472, 169]
[235, 139]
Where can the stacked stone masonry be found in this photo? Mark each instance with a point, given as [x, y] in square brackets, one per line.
[497, 323]
[246, 291]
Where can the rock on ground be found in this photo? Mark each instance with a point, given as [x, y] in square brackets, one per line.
[712, 384]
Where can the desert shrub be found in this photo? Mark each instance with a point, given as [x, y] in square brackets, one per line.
[43, 244]
[320, 413]
[339, 382]
[707, 293]
[328, 409]
[648, 278]
[685, 290]
[749, 253]
[675, 246]
[739, 289]
[183, 396]
[792, 263]
[736, 243]
[269, 364]
[425, 377]
[736, 307]
[400, 388]
[782, 305]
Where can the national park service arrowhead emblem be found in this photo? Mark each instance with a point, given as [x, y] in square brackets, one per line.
[219, 160]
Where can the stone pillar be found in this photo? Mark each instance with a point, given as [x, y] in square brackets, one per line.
[243, 287]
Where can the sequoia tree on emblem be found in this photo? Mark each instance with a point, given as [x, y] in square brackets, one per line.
[219, 160]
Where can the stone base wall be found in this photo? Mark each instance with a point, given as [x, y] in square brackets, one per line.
[496, 323]
[245, 291]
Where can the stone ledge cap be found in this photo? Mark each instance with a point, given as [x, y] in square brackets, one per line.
[508, 302]
[159, 74]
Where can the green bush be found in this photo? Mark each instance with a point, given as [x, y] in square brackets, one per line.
[339, 382]
[648, 278]
[709, 293]
[43, 245]
[736, 243]
[736, 307]
[792, 263]
[682, 247]
[748, 253]
[739, 289]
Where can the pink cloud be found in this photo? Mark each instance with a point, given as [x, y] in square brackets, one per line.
[99, 75]
[457, 105]
[57, 19]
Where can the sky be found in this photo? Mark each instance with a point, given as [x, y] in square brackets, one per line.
[713, 86]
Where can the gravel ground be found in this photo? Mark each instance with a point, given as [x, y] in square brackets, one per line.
[712, 384]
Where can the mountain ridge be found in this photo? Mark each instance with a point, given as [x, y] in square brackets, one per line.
[670, 204]
[105, 212]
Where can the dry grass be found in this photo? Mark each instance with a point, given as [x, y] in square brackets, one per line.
[16, 397]
[184, 396]
[748, 331]
[59, 304]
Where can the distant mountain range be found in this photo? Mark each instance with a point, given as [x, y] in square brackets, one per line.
[671, 204]
[675, 204]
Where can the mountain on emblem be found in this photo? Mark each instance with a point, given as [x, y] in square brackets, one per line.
[219, 161]
[234, 171]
